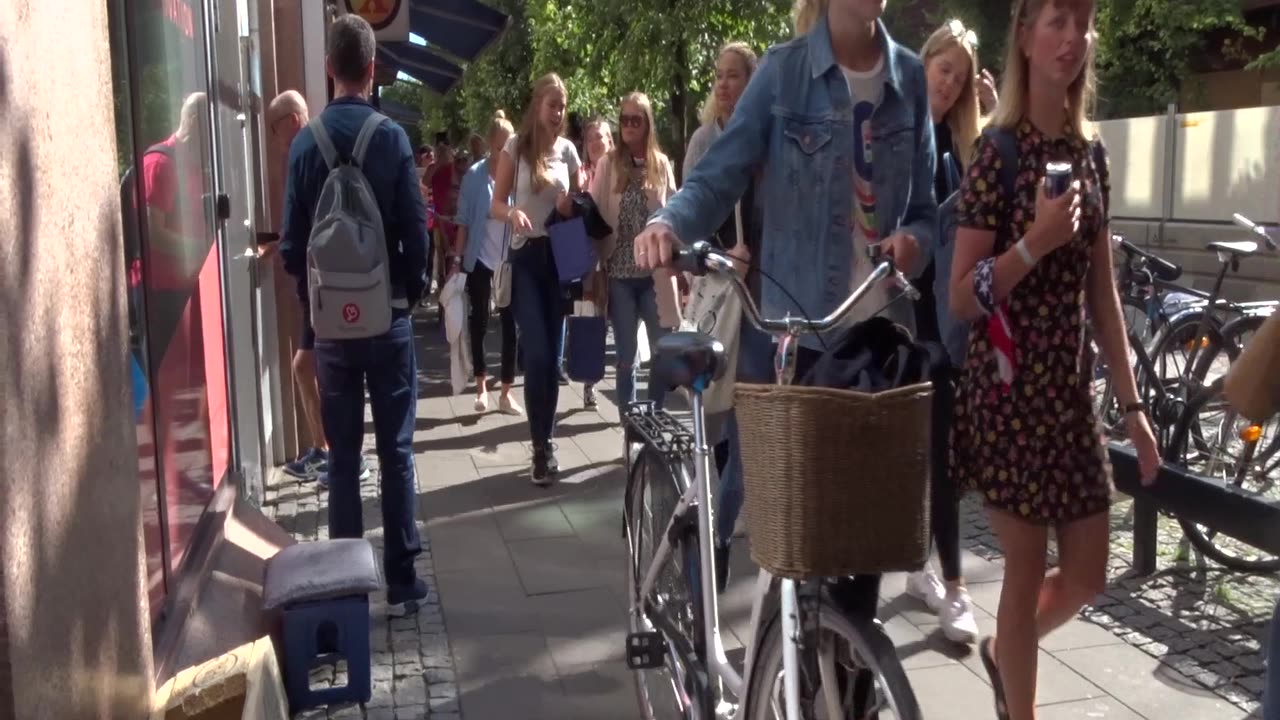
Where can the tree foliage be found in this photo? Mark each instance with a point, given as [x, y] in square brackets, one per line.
[1148, 48]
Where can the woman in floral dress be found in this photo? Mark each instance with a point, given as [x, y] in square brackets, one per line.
[1026, 267]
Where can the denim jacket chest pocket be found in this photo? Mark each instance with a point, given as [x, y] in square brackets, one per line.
[806, 153]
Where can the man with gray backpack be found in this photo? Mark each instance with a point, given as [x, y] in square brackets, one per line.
[355, 238]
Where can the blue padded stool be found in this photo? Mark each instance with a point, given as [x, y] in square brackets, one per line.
[322, 591]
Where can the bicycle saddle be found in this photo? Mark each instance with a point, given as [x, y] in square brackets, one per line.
[1241, 247]
[691, 360]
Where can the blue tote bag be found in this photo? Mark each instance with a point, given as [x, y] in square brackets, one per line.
[584, 344]
[572, 248]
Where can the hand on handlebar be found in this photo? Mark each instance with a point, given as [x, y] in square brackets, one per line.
[653, 246]
[904, 249]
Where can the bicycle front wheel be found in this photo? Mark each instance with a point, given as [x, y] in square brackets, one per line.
[849, 669]
[678, 690]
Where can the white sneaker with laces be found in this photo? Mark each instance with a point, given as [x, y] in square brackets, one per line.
[482, 402]
[958, 623]
[926, 587]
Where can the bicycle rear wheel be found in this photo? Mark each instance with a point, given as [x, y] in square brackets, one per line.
[1217, 442]
[679, 688]
[836, 649]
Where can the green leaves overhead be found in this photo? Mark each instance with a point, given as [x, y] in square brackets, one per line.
[604, 49]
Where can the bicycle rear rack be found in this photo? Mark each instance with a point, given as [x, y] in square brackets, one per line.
[659, 430]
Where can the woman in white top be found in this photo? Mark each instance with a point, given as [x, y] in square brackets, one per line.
[540, 169]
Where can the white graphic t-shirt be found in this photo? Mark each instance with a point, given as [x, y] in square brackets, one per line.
[867, 90]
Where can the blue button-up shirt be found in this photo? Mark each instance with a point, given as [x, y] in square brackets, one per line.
[796, 119]
[391, 172]
[474, 201]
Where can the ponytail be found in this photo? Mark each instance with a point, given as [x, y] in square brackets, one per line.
[805, 15]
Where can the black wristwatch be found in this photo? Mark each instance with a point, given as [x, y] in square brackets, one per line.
[1133, 407]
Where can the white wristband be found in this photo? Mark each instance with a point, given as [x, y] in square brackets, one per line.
[1025, 253]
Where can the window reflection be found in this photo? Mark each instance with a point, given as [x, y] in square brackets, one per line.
[175, 297]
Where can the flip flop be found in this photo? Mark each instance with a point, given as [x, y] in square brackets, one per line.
[997, 687]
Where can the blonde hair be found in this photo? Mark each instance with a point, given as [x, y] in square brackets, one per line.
[536, 142]
[620, 156]
[805, 15]
[499, 123]
[963, 117]
[711, 108]
[1012, 105]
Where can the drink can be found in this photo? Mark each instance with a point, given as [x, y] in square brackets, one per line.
[1057, 178]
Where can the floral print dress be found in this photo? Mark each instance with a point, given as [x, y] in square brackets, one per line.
[1033, 447]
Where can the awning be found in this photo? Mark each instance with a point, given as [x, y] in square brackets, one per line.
[422, 64]
[461, 27]
[401, 113]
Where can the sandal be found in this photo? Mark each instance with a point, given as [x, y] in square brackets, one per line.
[993, 673]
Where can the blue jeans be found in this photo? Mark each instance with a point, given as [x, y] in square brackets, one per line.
[632, 300]
[755, 365]
[538, 304]
[388, 366]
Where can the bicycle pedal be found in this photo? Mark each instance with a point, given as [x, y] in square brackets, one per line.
[646, 650]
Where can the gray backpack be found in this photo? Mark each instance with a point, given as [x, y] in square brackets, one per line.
[347, 264]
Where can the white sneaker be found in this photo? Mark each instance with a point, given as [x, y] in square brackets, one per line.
[926, 587]
[482, 402]
[509, 406]
[958, 624]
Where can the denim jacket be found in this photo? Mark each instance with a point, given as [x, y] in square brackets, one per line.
[474, 198]
[796, 118]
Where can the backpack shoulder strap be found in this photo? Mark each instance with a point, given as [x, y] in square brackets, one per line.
[1099, 152]
[1006, 142]
[366, 136]
[324, 142]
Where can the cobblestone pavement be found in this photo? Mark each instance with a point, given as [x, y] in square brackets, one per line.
[412, 667]
[1198, 619]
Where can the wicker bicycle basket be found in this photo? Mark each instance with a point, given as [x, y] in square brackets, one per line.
[837, 481]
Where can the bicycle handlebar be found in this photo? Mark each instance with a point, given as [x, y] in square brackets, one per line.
[1254, 228]
[1161, 267]
[701, 258]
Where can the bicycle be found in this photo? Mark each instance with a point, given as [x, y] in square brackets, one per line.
[1205, 329]
[1213, 440]
[805, 659]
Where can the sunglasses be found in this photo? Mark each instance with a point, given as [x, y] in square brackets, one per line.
[635, 121]
[964, 35]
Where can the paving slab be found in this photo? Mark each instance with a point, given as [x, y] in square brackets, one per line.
[528, 617]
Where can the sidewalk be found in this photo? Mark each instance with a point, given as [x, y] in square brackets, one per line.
[529, 619]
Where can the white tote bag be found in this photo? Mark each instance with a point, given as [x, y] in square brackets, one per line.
[715, 309]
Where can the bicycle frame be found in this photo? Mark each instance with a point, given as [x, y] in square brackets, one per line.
[698, 493]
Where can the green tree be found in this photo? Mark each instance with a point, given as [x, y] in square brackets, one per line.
[664, 48]
[1147, 49]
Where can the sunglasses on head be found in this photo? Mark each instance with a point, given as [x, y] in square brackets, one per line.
[635, 121]
[964, 35]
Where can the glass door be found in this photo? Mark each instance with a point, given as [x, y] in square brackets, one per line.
[233, 115]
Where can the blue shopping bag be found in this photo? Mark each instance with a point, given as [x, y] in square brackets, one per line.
[584, 346]
[574, 253]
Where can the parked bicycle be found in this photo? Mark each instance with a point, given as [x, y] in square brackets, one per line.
[805, 657]
[1178, 335]
[1197, 429]
[1213, 440]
